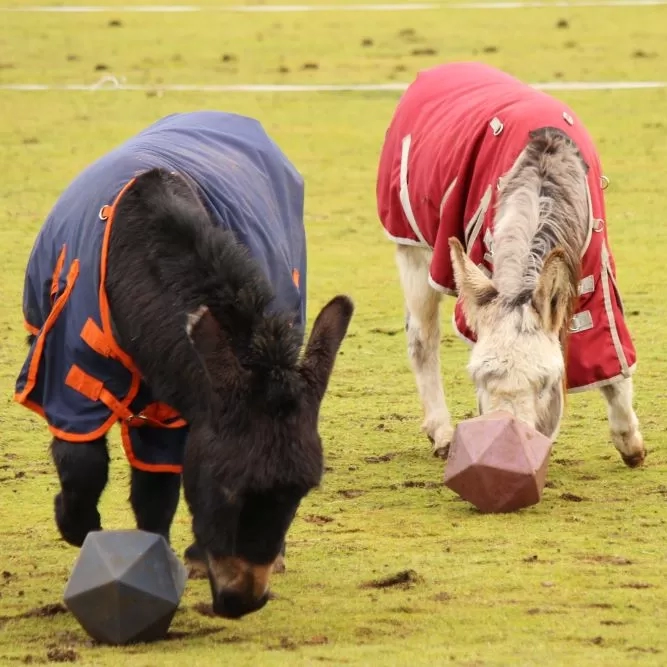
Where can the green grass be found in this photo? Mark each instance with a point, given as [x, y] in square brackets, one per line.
[563, 583]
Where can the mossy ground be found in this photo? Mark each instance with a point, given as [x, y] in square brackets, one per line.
[578, 579]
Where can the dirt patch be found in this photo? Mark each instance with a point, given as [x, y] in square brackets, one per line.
[58, 654]
[46, 611]
[318, 519]
[185, 634]
[572, 498]
[600, 605]
[644, 649]
[367, 41]
[605, 559]
[351, 493]
[101, 67]
[568, 462]
[610, 622]
[640, 53]
[284, 644]
[637, 585]
[404, 579]
[424, 52]
[317, 640]
[407, 33]
[205, 609]
[418, 484]
[562, 24]
[386, 332]
[115, 23]
[384, 458]
[310, 65]
[490, 49]
[395, 415]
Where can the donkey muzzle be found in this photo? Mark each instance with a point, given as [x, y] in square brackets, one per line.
[237, 586]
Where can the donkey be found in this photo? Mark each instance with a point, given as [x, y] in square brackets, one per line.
[178, 311]
[493, 193]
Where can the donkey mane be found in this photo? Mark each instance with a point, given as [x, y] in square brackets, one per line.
[192, 263]
[543, 205]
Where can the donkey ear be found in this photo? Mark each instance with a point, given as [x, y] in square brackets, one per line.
[475, 289]
[325, 339]
[213, 346]
[554, 292]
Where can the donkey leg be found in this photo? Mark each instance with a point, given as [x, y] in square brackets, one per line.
[154, 498]
[83, 470]
[422, 326]
[623, 422]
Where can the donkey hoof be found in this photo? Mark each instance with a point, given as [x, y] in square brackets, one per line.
[634, 460]
[279, 565]
[75, 526]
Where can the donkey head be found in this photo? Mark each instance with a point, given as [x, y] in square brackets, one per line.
[517, 363]
[256, 452]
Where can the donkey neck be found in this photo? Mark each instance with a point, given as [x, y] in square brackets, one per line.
[544, 204]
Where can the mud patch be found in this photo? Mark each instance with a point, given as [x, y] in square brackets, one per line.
[424, 52]
[317, 640]
[404, 580]
[318, 519]
[386, 332]
[351, 493]
[640, 53]
[205, 609]
[572, 498]
[644, 649]
[418, 484]
[384, 458]
[59, 654]
[46, 611]
[638, 585]
[605, 559]
[192, 634]
[600, 605]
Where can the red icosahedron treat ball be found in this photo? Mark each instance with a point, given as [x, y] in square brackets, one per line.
[497, 462]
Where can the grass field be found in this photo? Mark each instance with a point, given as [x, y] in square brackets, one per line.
[578, 579]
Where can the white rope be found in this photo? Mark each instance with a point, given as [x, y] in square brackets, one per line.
[112, 83]
[398, 7]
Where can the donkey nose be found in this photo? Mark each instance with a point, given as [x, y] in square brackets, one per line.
[231, 604]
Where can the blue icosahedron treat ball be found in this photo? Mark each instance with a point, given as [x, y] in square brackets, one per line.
[125, 586]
